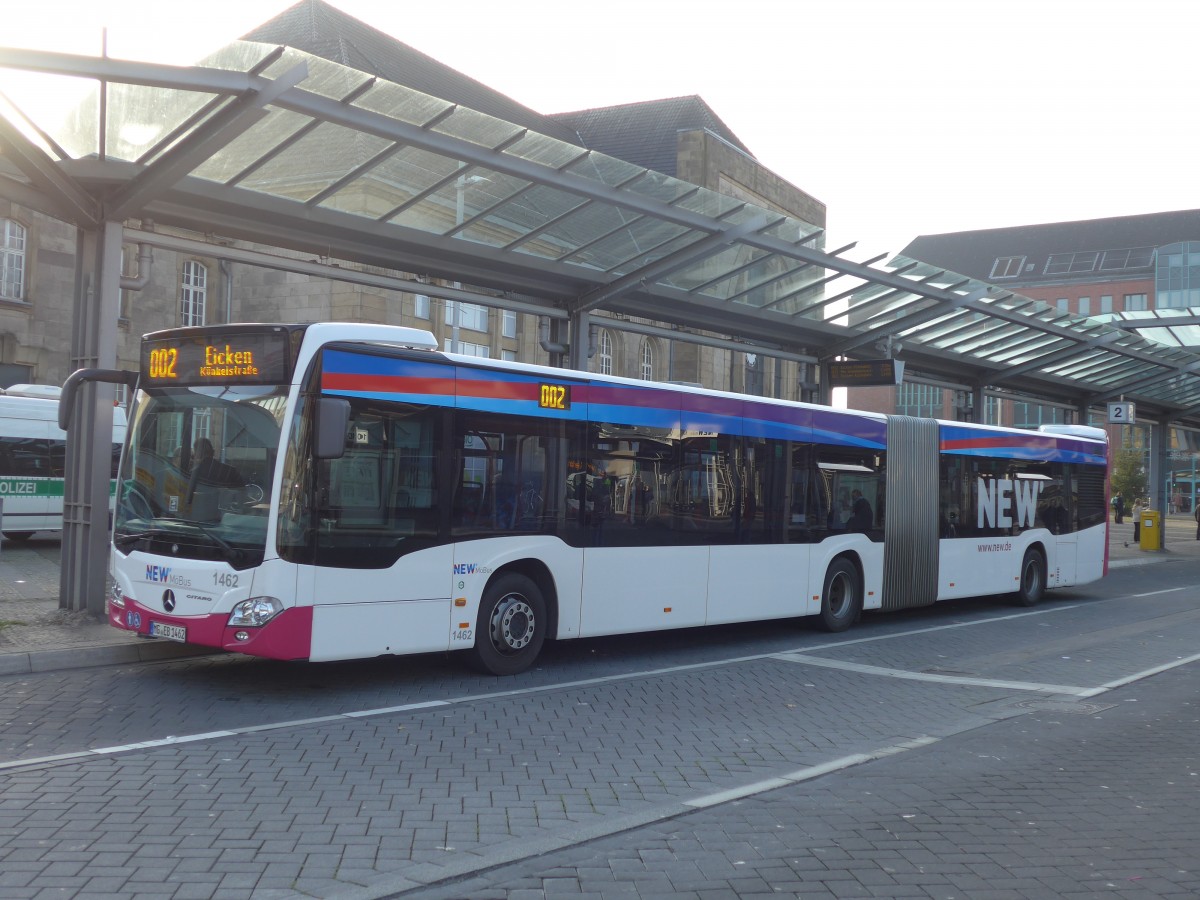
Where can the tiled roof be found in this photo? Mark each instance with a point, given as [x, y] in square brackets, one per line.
[645, 133]
[974, 253]
[323, 30]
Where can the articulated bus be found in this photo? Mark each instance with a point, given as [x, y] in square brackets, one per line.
[364, 494]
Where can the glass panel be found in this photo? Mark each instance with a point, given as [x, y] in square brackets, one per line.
[728, 260]
[398, 102]
[547, 151]
[627, 243]
[311, 164]
[411, 171]
[477, 128]
[584, 227]
[232, 159]
[714, 205]
[607, 170]
[139, 117]
[655, 254]
[329, 79]
[65, 108]
[661, 187]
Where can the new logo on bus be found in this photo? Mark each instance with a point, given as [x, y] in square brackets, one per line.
[1004, 502]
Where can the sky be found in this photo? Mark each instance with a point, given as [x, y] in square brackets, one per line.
[904, 118]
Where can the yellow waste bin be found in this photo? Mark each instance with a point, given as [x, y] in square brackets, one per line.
[1151, 537]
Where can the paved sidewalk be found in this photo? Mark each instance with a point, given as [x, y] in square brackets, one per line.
[36, 635]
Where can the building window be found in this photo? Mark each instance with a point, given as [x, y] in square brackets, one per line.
[647, 360]
[1085, 306]
[1063, 304]
[752, 378]
[421, 306]
[1071, 263]
[1133, 258]
[12, 260]
[193, 293]
[919, 400]
[508, 323]
[1031, 415]
[605, 354]
[1177, 276]
[1106, 305]
[1135, 302]
[1007, 266]
[509, 355]
[470, 315]
[467, 348]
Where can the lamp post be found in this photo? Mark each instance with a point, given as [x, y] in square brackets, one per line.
[460, 190]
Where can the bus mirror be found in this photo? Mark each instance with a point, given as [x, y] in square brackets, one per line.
[333, 416]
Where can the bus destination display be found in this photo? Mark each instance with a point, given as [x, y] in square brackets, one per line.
[254, 358]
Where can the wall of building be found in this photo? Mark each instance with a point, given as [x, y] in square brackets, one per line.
[1072, 293]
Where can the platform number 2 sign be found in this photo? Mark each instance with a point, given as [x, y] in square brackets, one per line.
[1121, 413]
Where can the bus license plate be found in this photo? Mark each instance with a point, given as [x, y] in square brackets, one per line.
[170, 632]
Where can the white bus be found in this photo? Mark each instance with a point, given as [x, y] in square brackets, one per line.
[375, 496]
[33, 453]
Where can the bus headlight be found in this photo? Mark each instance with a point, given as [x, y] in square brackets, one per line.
[255, 612]
[114, 593]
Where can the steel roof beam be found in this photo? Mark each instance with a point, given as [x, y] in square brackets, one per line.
[201, 144]
[685, 256]
[61, 191]
[1142, 384]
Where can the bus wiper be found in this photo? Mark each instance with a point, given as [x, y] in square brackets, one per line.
[226, 547]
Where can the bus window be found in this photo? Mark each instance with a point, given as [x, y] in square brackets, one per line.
[510, 474]
[377, 500]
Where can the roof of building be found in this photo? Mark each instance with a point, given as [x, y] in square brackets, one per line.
[325, 31]
[645, 133]
[1059, 252]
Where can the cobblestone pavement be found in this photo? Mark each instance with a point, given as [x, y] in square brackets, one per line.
[1070, 800]
[971, 751]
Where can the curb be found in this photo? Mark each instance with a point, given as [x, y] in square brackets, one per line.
[36, 661]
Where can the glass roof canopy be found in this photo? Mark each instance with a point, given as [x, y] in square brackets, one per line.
[283, 148]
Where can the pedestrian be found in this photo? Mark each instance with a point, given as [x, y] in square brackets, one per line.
[1196, 515]
[1137, 519]
[1119, 508]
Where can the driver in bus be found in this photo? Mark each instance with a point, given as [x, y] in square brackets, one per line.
[209, 476]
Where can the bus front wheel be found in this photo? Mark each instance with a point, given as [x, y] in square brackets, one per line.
[841, 597]
[1033, 579]
[511, 626]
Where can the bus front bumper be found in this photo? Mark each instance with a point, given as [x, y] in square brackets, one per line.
[287, 636]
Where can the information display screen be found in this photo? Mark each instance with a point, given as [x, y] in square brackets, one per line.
[260, 357]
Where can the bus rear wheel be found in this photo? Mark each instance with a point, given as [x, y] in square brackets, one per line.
[511, 627]
[19, 536]
[1033, 579]
[841, 597]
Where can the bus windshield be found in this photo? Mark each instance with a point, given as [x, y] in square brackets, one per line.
[197, 466]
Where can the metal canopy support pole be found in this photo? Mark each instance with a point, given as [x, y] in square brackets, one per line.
[577, 354]
[823, 394]
[89, 439]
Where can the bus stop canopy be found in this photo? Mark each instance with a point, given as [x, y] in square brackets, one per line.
[281, 148]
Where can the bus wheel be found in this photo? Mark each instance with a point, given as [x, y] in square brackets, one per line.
[511, 626]
[841, 598]
[18, 535]
[1033, 578]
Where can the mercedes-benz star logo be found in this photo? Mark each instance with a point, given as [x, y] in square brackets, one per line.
[168, 600]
